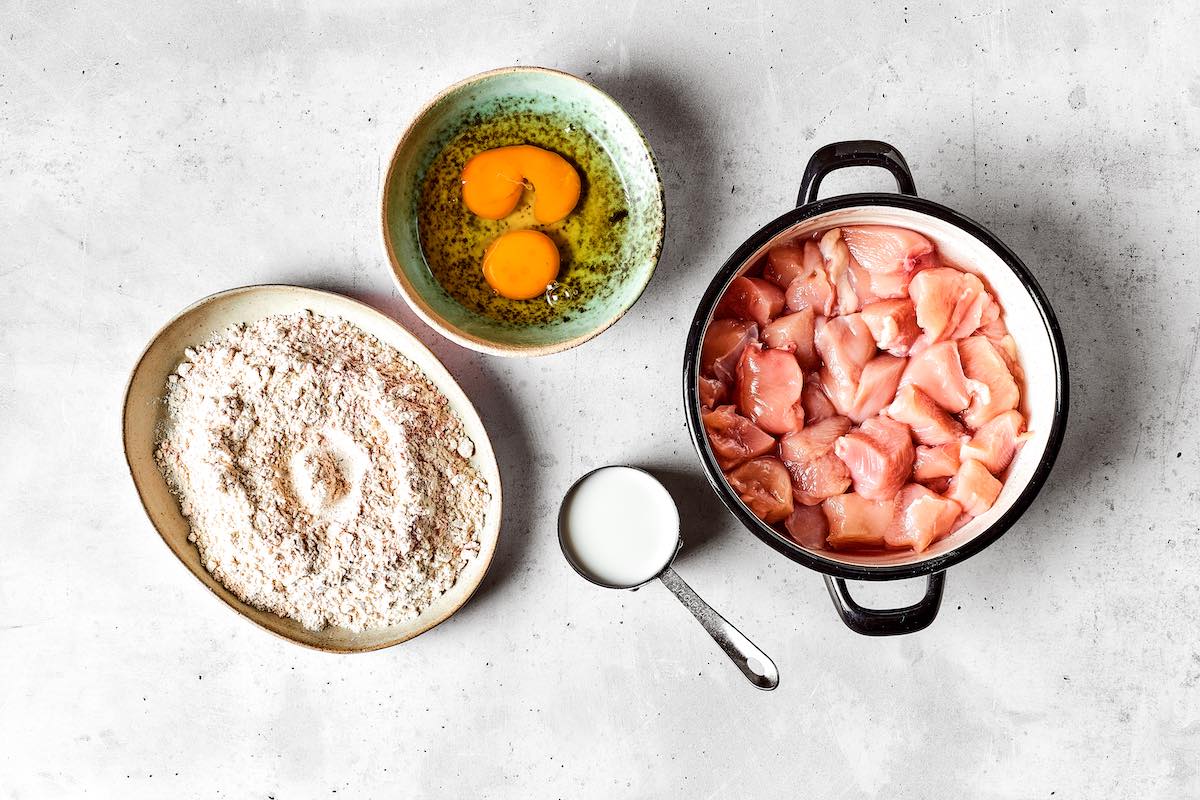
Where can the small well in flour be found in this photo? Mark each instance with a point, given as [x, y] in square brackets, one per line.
[324, 477]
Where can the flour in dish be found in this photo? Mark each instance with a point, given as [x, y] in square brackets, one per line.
[324, 477]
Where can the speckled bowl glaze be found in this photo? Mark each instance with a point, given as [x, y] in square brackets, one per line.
[541, 91]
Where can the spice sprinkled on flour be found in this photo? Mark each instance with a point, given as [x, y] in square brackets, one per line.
[325, 478]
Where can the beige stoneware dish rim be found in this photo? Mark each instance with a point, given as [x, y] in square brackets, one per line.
[426, 312]
[301, 298]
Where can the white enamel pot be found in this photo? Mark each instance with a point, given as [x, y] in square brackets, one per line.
[968, 245]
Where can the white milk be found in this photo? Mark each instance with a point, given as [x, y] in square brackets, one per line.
[620, 526]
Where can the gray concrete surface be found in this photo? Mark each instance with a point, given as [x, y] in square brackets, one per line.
[152, 154]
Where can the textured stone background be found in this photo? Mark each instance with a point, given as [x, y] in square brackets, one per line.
[152, 154]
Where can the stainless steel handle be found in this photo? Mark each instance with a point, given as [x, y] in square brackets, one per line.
[758, 668]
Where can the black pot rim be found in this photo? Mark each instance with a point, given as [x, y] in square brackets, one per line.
[691, 368]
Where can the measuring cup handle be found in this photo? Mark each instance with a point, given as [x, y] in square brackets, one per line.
[739, 649]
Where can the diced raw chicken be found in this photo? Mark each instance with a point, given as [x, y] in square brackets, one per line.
[938, 372]
[974, 488]
[751, 299]
[994, 330]
[856, 522]
[733, 438]
[950, 304]
[883, 248]
[723, 344]
[995, 444]
[975, 307]
[808, 455]
[993, 390]
[872, 287]
[934, 293]
[811, 288]
[876, 386]
[807, 526]
[935, 461]
[879, 455]
[938, 485]
[816, 404]
[922, 517]
[929, 422]
[768, 389]
[837, 267]
[712, 392]
[784, 263]
[765, 488]
[893, 324]
[997, 332]
[794, 333]
[845, 344]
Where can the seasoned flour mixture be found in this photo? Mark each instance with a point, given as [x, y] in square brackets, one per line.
[324, 477]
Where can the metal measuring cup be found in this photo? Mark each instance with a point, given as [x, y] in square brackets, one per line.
[758, 668]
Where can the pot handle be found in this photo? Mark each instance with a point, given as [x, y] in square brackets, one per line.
[860, 153]
[887, 622]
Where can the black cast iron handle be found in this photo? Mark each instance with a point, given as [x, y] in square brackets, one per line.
[861, 153]
[887, 622]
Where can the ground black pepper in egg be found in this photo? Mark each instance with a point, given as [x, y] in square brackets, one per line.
[453, 239]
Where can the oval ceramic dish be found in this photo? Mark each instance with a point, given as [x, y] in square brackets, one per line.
[1032, 323]
[567, 100]
[144, 416]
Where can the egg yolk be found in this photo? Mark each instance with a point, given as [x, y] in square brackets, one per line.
[521, 264]
[492, 183]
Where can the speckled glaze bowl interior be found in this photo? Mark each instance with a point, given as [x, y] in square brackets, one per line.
[575, 102]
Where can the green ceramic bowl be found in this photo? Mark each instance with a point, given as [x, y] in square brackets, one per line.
[633, 247]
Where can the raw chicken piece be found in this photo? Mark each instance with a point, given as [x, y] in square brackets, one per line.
[994, 330]
[929, 422]
[845, 345]
[811, 288]
[997, 332]
[837, 267]
[995, 444]
[855, 522]
[872, 287]
[879, 455]
[712, 392]
[893, 324]
[936, 461]
[934, 293]
[723, 344]
[994, 389]
[974, 488]
[765, 488]
[750, 299]
[815, 403]
[938, 485]
[876, 386]
[768, 389]
[938, 372]
[808, 455]
[785, 263]
[883, 248]
[975, 307]
[922, 517]
[794, 333]
[734, 438]
[807, 527]
[950, 304]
